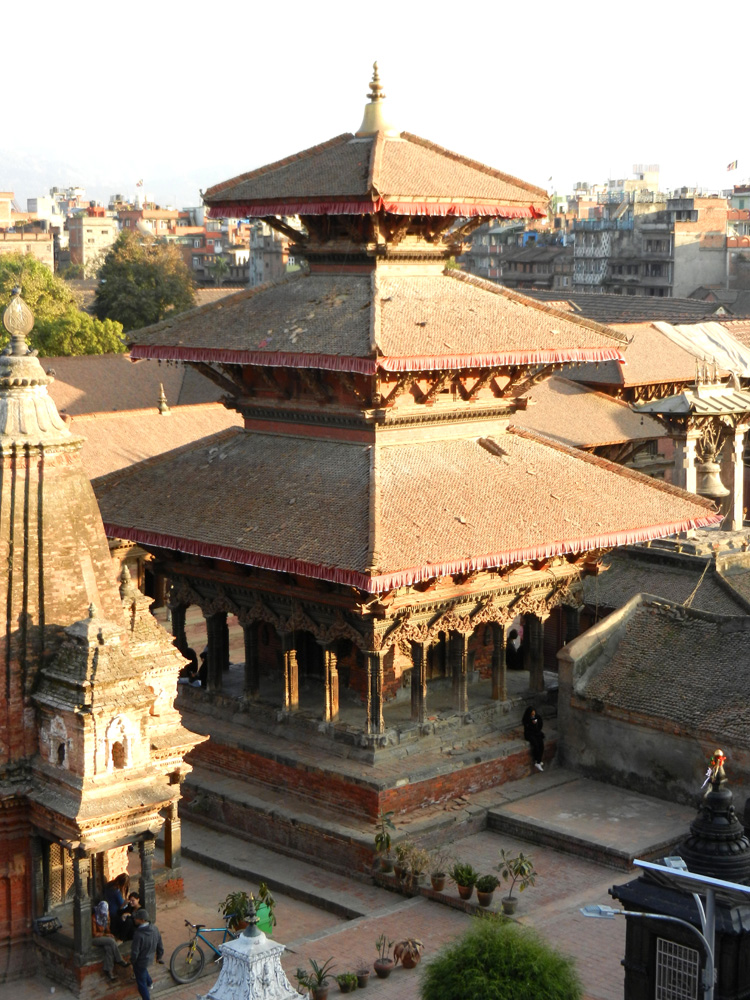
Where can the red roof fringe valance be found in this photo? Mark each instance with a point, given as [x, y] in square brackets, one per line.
[367, 366]
[379, 584]
[367, 206]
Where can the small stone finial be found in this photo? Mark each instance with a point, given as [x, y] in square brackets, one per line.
[163, 405]
[18, 320]
[92, 610]
[376, 90]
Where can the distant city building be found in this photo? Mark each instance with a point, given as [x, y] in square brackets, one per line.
[91, 235]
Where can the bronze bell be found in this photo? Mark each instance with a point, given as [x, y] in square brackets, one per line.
[709, 482]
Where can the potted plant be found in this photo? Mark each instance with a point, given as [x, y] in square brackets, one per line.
[403, 850]
[418, 861]
[383, 840]
[438, 870]
[464, 875]
[347, 981]
[236, 908]
[316, 979]
[383, 964]
[485, 886]
[519, 869]
[408, 952]
[363, 972]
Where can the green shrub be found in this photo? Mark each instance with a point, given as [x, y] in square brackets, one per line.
[500, 960]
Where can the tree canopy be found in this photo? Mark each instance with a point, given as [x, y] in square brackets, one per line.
[500, 960]
[141, 281]
[60, 327]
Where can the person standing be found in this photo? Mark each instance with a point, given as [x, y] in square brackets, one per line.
[533, 731]
[146, 945]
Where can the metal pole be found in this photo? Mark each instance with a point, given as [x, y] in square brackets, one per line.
[710, 932]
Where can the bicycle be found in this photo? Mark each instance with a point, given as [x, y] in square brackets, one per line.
[187, 960]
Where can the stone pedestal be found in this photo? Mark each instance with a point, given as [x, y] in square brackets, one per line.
[251, 970]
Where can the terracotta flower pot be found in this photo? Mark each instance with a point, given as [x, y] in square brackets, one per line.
[485, 898]
[410, 961]
[320, 992]
[383, 967]
[362, 978]
[438, 882]
[465, 891]
[509, 905]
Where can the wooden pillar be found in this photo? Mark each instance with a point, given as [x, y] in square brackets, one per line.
[499, 674]
[291, 672]
[535, 628]
[375, 722]
[146, 885]
[173, 837]
[459, 655]
[38, 902]
[224, 648]
[252, 662]
[81, 907]
[738, 478]
[331, 683]
[419, 654]
[215, 628]
[178, 627]
[572, 622]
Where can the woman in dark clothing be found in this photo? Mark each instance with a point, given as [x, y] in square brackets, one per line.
[114, 894]
[533, 731]
[513, 651]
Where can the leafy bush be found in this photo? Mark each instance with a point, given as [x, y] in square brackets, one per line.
[500, 960]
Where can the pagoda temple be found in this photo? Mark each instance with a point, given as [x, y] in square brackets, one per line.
[91, 746]
[376, 527]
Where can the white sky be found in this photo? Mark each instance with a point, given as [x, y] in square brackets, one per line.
[186, 94]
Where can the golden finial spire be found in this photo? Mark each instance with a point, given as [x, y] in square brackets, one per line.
[374, 120]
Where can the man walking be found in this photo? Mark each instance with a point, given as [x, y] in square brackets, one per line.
[146, 944]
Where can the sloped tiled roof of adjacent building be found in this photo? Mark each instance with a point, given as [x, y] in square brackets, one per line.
[115, 440]
[401, 173]
[702, 686]
[581, 417]
[95, 383]
[398, 322]
[389, 515]
[632, 308]
[627, 573]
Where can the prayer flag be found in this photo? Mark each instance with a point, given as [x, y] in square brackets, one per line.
[732, 165]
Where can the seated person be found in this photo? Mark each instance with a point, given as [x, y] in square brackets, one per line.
[189, 672]
[104, 940]
[126, 916]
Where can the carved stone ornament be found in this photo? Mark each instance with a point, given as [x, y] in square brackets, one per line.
[251, 970]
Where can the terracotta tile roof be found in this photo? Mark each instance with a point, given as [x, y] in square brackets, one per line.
[650, 357]
[632, 308]
[581, 417]
[432, 320]
[626, 575]
[701, 686]
[96, 383]
[393, 172]
[113, 441]
[319, 507]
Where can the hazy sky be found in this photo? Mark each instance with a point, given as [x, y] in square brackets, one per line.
[186, 94]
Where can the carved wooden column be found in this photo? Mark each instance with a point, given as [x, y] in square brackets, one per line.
[330, 683]
[146, 885]
[459, 655]
[178, 627]
[535, 625]
[419, 654]
[252, 661]
[81, 907]
[738, 477]
[38, 907]
[216, 625]
[572, 622]
[499, 675]
[375, 722]
[291, 672]
[173, 837]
